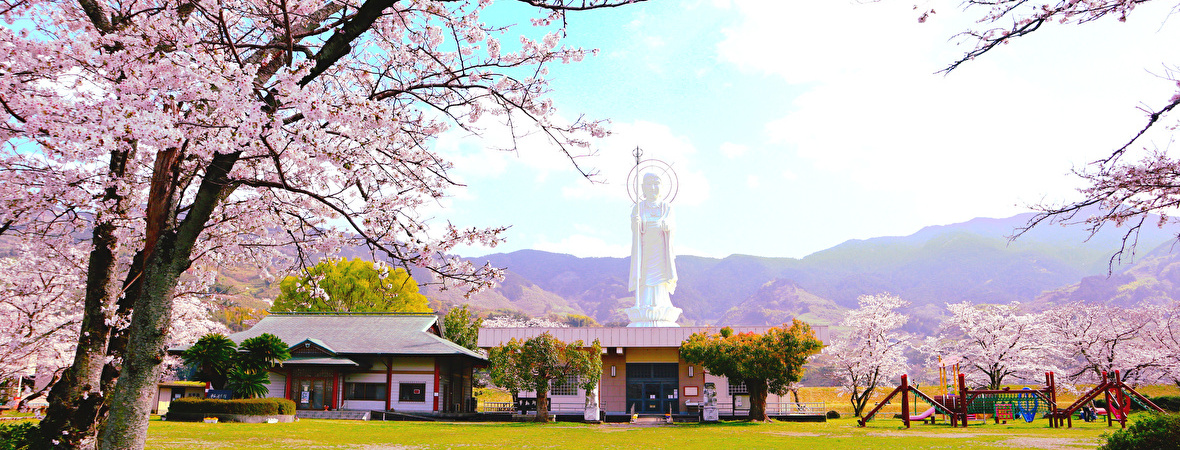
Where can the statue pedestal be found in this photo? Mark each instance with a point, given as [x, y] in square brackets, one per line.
[653, 316]
[711, 414]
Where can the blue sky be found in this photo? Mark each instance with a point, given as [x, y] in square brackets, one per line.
[798, 125]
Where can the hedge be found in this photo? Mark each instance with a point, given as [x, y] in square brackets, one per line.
[1154, 432]
[254, 406]
[1169, 403]
[17, 436]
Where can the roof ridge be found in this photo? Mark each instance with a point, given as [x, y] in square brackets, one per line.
[350, 313]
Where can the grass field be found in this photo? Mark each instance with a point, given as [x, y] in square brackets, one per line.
[836, 434]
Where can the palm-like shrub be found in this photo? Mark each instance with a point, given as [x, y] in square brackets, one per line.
[247, 384]
[242, 369]
[258, 354]
[213, 355]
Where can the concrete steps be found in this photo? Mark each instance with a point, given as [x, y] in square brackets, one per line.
[337, 415]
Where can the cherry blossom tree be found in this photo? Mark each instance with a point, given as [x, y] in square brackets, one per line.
[1127, 187]
[181, 136]
[506, 321]
[40, 311]
[1097, 339]
[1001, 342]
[1164, 336]
[872, 355]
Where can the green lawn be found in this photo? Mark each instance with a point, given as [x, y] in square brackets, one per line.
[836, 434]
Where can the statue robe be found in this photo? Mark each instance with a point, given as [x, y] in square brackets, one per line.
[657, 264]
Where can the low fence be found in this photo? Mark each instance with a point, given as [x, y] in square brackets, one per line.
[529, 406]
[778, 409]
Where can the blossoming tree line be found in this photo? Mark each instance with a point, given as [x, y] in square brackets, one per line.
[153, 139]
[995, 345]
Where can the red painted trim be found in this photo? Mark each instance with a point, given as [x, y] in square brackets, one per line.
[335, 390]
[287, 390]
[436, 392]
[388, 381]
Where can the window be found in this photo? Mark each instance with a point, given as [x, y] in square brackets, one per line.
[568, 387]
[364, 391]
[411, 392]
[738, 388]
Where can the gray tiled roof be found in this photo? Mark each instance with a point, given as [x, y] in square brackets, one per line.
[321, 361]
[385, 334]
[608, 337]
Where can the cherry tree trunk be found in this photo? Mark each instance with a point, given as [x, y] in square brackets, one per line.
[169, 257]
[757, 400]
[76, 401]
[131, 401]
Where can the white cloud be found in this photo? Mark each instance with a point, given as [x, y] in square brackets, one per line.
[753, 182]
[731, 150]
[488, 155]
[1002, 130]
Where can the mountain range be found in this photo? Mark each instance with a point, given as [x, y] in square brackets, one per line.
[973, 261]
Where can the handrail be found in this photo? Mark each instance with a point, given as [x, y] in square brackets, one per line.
[783, 407]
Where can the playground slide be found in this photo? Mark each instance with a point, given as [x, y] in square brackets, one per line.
[925, 415]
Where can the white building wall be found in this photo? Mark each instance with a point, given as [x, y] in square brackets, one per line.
[424, 406]
[277, 386]
[364, 378]
[363, 405]
[724, 399]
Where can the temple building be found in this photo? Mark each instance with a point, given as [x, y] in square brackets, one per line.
[642, 371]
[369, 362]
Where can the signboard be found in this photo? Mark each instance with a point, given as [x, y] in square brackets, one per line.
[220, 394]
[1005, 411]
[305, 397]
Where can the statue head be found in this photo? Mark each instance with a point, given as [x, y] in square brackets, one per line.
[651, 186]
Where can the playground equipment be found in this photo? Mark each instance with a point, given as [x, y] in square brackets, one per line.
[976, 403]
[1118, 398]
[925, 415]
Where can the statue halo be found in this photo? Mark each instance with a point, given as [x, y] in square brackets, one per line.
[660, 168]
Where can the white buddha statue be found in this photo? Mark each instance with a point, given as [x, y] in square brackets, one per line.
[653, 264]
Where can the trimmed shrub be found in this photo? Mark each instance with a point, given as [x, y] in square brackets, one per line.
[254, 406]
[1167, 402]
[1156, 431]
[17, 436]
[833, 414]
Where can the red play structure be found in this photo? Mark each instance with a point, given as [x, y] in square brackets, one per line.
[1008, 404]
[1118, 398]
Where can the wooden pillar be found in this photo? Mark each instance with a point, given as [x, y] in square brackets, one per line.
[335, 390]
[1106, 395]
[1118, 389]
[963, 398]
[388, 381]
[287, 390]
[436, 385]
[905, 400]
[1053, 399]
